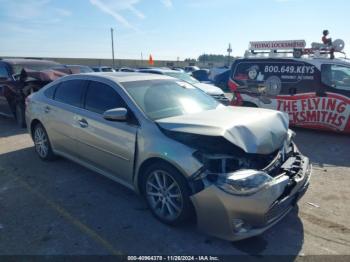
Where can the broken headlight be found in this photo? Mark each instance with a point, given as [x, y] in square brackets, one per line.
[243, 182]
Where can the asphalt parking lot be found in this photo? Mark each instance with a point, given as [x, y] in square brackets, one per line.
[62, 208]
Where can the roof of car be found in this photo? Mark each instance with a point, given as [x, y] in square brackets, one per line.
[23, 61]
[312, 60]
[127, 76]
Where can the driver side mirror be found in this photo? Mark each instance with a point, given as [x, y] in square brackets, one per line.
[116, 114]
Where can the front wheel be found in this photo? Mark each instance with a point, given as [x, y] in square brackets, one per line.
[167, 194]
[42, 143]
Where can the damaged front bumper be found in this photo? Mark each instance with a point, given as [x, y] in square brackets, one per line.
[236, 217]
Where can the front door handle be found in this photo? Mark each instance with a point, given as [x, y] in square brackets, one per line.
[83, 123]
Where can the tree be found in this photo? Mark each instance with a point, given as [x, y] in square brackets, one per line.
[205, 58]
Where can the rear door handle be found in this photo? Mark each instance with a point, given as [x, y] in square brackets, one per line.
[47, 109]
[83, 123]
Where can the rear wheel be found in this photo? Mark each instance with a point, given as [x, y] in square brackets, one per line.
[42, 143]
[167, 194]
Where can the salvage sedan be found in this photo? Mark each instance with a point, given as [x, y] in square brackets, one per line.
[235, 169]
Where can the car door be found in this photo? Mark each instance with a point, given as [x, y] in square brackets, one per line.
[59, 115]
[4, 106]
[108, 146]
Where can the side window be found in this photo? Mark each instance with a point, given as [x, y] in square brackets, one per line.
[101, 97]
[3, 72]
[70, 92]
[336, 76]
[49, 93]
[246, 72]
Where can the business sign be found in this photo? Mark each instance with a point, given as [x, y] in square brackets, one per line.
[284, 45]
[308, 110]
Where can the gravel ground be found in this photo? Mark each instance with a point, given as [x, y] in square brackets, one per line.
[62, 208]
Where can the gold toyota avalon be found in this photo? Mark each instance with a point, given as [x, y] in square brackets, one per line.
[235, 169]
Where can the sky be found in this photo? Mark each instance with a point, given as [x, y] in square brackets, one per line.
[167, 29]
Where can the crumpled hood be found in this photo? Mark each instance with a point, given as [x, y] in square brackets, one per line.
[254, 130]
[209, 89]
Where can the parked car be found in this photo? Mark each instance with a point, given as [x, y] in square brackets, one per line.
[201, 75]
[127, 69]
[190, 69]
[78, 69]
[211, 90]
[315, 92]
[21, 77]
[103, 69]
[235, 169]
[178, 69]
[221, 80]
[216, 71]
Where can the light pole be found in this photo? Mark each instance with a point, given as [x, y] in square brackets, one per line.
[112, 38]
[229, 51]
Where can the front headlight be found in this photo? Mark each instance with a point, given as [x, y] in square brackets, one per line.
[243, 182]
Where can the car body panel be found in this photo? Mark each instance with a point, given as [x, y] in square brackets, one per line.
[119, 150]
[253, 130]
[212, 203]
[209, 89]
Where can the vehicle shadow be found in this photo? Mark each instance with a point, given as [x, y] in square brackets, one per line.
[113, 212]
[8, 127]
[324, 148]
[285, 239]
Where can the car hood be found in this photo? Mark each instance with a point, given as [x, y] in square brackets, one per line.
[254, 130]
[209, 89]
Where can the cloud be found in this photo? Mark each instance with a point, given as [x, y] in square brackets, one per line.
[114, 8]
[29, 10]
[167, 3]
[63, 12]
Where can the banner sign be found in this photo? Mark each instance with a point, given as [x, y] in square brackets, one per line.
[285, 45]
[309, 110]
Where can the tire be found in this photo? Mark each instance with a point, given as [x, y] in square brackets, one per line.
[171, 206]
[42, 143]
[20, 115]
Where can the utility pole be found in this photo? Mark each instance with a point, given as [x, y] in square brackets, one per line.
[112, 38]
[229, 51]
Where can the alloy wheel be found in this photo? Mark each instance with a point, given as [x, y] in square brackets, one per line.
[164, 195]
[41, 142]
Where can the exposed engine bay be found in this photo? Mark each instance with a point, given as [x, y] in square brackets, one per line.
[220, 157]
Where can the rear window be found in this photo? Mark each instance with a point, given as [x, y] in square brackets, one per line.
[70, 92]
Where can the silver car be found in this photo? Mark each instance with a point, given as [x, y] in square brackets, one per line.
[235, 169]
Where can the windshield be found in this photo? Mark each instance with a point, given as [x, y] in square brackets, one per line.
[167, 98]
[183, 76]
